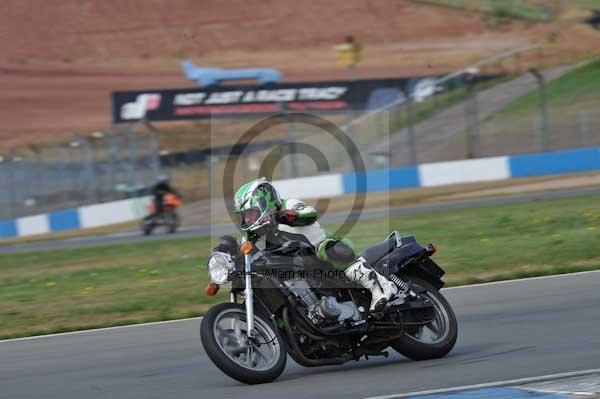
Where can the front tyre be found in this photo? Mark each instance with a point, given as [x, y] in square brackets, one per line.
[433, 340]
[224, 337]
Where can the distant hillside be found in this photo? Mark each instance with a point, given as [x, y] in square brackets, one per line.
[70, 30]
[60, 59]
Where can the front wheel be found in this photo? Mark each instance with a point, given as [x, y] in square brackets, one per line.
[433, 340]
[252, 361]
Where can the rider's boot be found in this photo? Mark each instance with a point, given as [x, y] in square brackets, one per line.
[382, 289]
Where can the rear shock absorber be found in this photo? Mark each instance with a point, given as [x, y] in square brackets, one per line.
[402, 285]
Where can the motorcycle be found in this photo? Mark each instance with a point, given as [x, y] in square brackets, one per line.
[168, 217]
[295, 304]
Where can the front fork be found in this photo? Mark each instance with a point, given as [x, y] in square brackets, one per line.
[249, 300]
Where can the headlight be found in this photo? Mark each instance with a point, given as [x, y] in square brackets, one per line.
[219, 266]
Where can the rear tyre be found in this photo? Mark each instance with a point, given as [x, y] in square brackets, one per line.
[147, 227]
[223, 334]
[173, 223]
[436, 339]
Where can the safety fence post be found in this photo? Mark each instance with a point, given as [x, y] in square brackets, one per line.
[544, 127]
[410, 125]
[89, 178]
[472, 117]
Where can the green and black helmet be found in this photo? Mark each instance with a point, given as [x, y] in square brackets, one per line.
[255, 203]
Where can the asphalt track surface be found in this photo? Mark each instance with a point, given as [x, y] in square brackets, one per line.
[198, 231]
[508, 330]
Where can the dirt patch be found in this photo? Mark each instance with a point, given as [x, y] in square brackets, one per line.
[60, 61]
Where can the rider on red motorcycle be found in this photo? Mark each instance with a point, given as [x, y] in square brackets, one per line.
[159, 190]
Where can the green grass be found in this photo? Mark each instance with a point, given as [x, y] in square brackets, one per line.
[577, 88]
[571, 98]
[90, 287]
[585, 4]
[500, 9]
[64, 290]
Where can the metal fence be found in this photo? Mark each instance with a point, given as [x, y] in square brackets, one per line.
[470, 120]
[513, 116]
[99, 167]
[473, 120]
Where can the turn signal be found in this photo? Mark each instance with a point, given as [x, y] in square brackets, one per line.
[431, 249]
[246, 247]
[212, 289]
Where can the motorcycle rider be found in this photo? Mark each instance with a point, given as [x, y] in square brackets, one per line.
[263, 215]
[159, 190]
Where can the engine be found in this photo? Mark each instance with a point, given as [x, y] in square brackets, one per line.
[324, 310]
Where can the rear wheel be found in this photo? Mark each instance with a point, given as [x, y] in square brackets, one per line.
[147, 226]
[433, 340]
[252, 361]
[173, 222]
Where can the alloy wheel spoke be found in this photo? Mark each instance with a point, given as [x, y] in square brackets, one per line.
[259, 353]
[253, 355]
[425, 334]
[433, 327]
[221, 333]
[237, 329]
[236, 351]
[249, 359]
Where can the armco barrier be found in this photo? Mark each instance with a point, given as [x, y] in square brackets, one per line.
[383, 180]
[112, 212]
[446, 173]
[550, 163]
[78, 218]
[468, 171]
[32, 225]
[8, 228]
[426, 175]
[64, 220]
[326, 185]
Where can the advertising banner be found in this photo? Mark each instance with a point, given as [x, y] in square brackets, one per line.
[252, 100]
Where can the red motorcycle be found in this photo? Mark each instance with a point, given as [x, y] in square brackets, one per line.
[168, 217]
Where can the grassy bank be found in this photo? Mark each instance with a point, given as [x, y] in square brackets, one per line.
[65, 290]
[517, 9]
[578, 88]
[572, 102]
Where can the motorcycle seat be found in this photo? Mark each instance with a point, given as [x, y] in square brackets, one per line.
[373, 254]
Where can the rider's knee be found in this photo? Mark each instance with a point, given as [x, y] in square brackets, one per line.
[339, 251]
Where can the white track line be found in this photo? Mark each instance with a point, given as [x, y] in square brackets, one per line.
[521, 279]
[561, 392]
[490, 384]
[93, 330]
[198, 318]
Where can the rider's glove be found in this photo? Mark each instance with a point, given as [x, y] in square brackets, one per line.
[286, 216]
